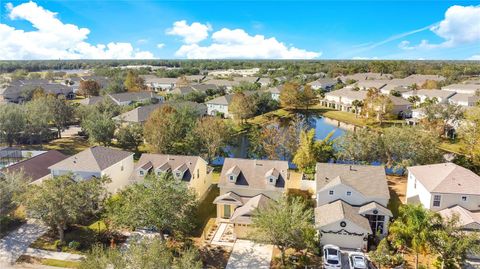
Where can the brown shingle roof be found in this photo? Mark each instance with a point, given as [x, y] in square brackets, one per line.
[37, 167]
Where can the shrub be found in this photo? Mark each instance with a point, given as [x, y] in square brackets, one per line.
[58, 244]
[75, 245]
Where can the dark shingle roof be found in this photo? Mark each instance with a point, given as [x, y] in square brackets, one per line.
[37, 167]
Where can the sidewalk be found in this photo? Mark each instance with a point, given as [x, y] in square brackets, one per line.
[46, 254]
[16, 243]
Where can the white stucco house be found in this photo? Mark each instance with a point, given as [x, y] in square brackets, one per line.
[246, 185]
[351, 204]
[97, 162]
[470, 89]
[440, 95]
[219, 105]
[323, 83]
[192, 170]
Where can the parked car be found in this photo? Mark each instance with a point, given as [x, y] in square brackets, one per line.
[357, 260]
[332, 257]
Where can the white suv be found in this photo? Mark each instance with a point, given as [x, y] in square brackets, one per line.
[332, 258]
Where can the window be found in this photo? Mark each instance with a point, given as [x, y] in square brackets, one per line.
[376, 223]
[271, 180]
[415, 184]
[349, 193]
[464, 198]
[141, 172]
[231, 178]
[121, 168]
[330, 193]
[436, 200]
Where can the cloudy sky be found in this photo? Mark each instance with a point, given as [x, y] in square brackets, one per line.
[88, 29]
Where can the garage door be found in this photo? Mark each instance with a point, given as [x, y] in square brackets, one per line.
[343, 240]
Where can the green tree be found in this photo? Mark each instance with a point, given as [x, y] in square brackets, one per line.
[452, 243]
[61, 113]
[304, 158]
[89, 88]
[12, 185]
[12, 123]
[294, 95]
[130, 136]
[61, 200]
[100, 128]
[133, 82]
[381, 255]
[161, 202]
[286, 223]
[38, 120]
[413, 229]
[362, 145]
[470, 133]
[357, 104]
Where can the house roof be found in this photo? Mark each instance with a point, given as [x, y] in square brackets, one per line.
[229, 198]
[447, 178]
[37, 167]
[464, 97]
[465, 217]
[141, 113]
[194, 88]
[243, 213]
[337, 211]
[252, 173]
[374, 206]
[273, 90]
[94, 159]
[183, 163]
[221, 100]
[367, 76]
[420, 79]
[223, 82]
[369, 180]
[92, 100]
[154, 79]
[461, 86]
[399, 101]
[430, 93]
[131, 96]
[323, 81]
[367, 84]
[348, 93]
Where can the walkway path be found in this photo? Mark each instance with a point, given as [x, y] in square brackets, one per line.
[46, 254]
[16, 243]
[247, 254]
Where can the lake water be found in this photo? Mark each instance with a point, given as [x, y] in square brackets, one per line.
[322, 126]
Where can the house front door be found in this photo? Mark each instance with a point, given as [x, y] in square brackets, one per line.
[226, 211]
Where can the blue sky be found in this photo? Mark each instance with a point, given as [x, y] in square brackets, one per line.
[238, 29]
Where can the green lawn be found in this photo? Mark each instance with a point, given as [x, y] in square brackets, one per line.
[67, 145]
[454, 147]
[60, 263]
[346, 117]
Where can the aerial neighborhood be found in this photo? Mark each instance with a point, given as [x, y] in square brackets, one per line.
[240, 164]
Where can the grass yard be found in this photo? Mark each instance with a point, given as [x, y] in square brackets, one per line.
[346, 117]
[66, 145]
[48, 262]
[268, 117]
[398, 189]
[453, 147]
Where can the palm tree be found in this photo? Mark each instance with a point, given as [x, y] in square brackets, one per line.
[357, 104]
[413, 228]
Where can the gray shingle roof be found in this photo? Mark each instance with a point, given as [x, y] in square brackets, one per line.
[369, 180]
[131, 96]
[337, 211]
[37, 167]
[94, 159]
[183, 163]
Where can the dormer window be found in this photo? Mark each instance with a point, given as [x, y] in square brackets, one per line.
[272, 176]
[349, 193]
[141, 172]
[330, 192]
[464, 198]
[232, 178]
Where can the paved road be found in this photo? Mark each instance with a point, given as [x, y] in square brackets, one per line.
[247, 254]
[16, 243]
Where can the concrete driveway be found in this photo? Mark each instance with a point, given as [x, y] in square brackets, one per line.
[13, 245]
[247, 254]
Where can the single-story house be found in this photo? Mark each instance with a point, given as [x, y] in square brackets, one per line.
[470, 89]
[127, 98]
[155, 83]
[326, 84]
[98, 161]
[464, 99]
[440, 95]
[14, 91]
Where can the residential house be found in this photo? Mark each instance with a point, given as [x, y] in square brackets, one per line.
[200, 88]
[470, 89]
[223, 83]
[35, 168]
[264, 82]
[97, 162]
[230, 72]
[420, 79]
[155, 83]
[195, 78]
[342, 99]
[192, 170]
[141, 113]
[351, 204]
[219, 105]
[365, 76]
[326, 84]
[127, 98]
[464, 99]
[274, 92]
[14, 92]
[246, 185]
[441, 96]
[367, 84]
[92, 100]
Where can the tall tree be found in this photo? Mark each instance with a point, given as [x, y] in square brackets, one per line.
[413, 229]
[286, 223]
[12, 185]
[60, 111]
[130, 136]
[211, 135]
[294, 95]
[133, 82]
[161, 202]
[242, 106]
[38, 121]
[304, 158]
[12, 123]
[61, 200]
[89, 88]
[360, 146]
[470, 132]
[100, 128]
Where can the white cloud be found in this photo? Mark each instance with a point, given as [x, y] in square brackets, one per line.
[53, 39]
[142, 41]
[475, 57]
[160, 45]
[236, 44]
[192, 33]
[461, 25]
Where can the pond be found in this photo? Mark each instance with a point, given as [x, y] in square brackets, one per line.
[322, 126]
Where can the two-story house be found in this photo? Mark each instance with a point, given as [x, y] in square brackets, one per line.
[219, 105]
[97, 162]
[351, 204]
[192, 170]
[246, 185]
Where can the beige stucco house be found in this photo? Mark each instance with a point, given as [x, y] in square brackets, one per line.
[97, 162]
[351, 204]
[192, 170]
[246, 185]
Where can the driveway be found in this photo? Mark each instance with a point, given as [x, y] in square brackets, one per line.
[247, 254]
[16, 243]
